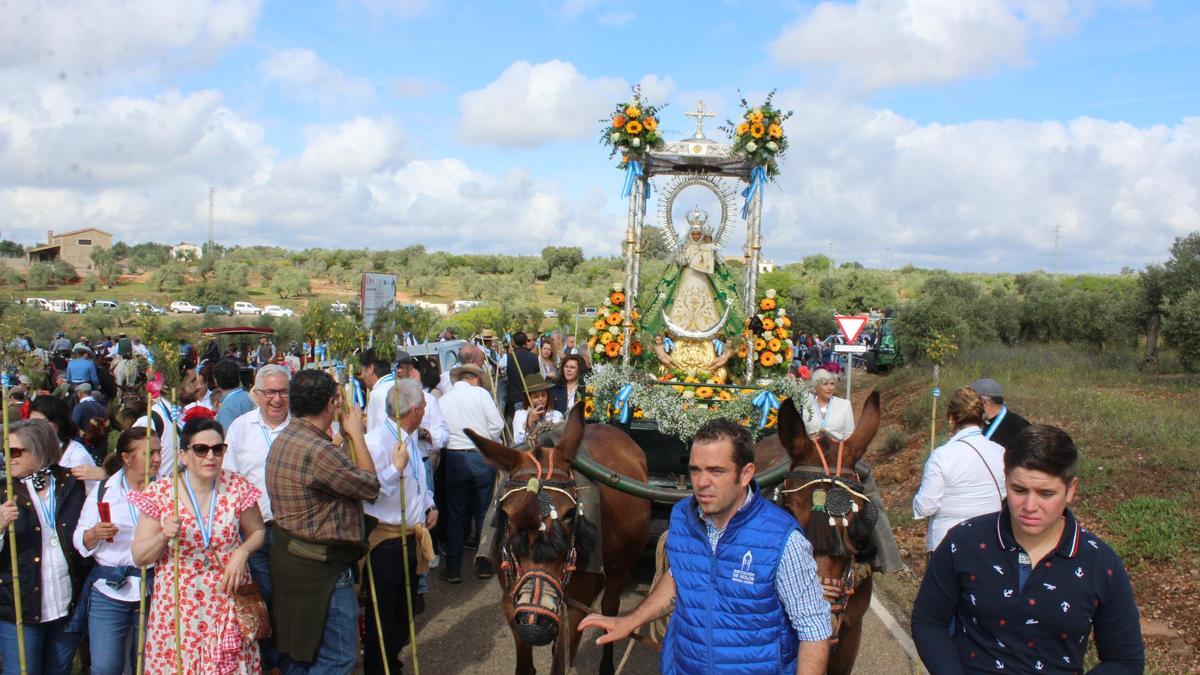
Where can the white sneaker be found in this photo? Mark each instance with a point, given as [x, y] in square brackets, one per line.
[437, 560]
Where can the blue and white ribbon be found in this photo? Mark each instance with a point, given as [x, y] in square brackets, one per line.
[633, 173]
[360, 398]
[718, 346]
[668, 344]
[624, 410]
[758, 181]
[765, 402]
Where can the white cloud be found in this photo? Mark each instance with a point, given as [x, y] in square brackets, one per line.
[305, 75]
[411, 86]
[533, 103]
[874, 44]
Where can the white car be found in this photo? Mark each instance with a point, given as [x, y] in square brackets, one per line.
[276, 310]
[184, 307]
[40, 303]
[105, 304]
[339, 307]
[550, 314]
[241, 307]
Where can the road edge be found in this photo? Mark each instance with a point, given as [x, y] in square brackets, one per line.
[878, 606]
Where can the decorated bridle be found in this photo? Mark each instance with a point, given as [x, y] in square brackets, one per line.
[834, 495]
[539, 482]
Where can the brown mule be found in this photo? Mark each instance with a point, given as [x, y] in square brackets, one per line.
[822, 471]
[545, 540]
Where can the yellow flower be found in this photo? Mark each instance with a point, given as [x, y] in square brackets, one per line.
[743, 128]
[633, 127]
[599, 324]
[724, 395]
[775, 131]
[759, 344]
[755, 117]
[614, 318]
[633, 111]
[756, 130]
[775, 344]
[638, 414]
[704, 392]
[650, 123]
[589, 408]
[606, 337]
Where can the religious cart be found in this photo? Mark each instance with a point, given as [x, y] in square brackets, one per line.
[703, 340]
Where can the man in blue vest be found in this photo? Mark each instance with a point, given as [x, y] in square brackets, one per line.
[742, 581]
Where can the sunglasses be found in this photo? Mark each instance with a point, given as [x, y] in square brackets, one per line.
[201, 449]
[16, 452]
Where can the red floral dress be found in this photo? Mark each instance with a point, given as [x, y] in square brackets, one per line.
[208, 624]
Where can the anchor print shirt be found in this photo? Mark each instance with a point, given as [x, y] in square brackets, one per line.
[1013, 617]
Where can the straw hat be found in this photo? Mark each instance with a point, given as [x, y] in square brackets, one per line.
[457, 374]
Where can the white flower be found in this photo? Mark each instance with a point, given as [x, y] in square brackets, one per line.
[604, 311]
[614, 330]
[751, 146]
[770, 292]
[772, 146]
[614, 136]
[599, 348]
[781, 311]
[637, 142]
[592, 330]
[689, 393]
[767, 335]
[618, 288]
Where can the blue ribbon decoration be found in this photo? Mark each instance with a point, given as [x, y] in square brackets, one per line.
[765, 402]
[758, 181]
[633, 172]
[668, 344]
[624, 410]
[718, 346]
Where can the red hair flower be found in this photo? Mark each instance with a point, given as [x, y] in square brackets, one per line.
[198, 413]
[154, 384]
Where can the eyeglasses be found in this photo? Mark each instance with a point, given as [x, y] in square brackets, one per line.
[273, 393]
[15, 452]
[201, 449]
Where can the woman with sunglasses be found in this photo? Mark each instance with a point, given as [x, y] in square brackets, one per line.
[217, 528]
[44, 507]
[110, 598]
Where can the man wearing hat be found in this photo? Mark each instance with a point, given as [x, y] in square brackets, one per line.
[469, 479]
[1001, 425]
[81, 368]
[61, 343]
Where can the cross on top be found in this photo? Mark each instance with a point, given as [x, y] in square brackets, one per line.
[699, 116]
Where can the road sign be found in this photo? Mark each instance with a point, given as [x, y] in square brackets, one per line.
[850, 349]
[851, 326]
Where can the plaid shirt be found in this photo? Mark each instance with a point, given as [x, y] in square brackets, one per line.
[316, 491]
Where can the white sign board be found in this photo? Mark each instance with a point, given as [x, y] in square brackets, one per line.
[851, 326]
[378, 291]
[850, 349]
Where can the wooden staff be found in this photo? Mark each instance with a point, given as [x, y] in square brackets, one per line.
[412, 629]
[141, 658]
[370, 571]
[12, 533]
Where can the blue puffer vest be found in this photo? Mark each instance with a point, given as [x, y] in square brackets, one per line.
[728, 618]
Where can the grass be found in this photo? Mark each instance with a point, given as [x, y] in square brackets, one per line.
[1152, 529]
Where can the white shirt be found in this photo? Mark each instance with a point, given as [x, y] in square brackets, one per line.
[117, 553]
[519, 433]
[77, 455]
[56, 578]
[141, 349]
[435, 423]
[170, 436]
[470, 407]
[418, 498]
[956, 485]
[250, 440]
[377, 401]
[444, 383]
[837, 419]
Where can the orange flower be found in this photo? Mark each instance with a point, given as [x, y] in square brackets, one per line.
[724, 395]
[759, 344]
[633, 127]
[634, 314]
[618, 122]
[598, 324]
[612, 349]
[768, 323]
[704, 392]
[635, 348]
[650, 123]
[783, 334]
[591, 343]
[786, 322]
[743, 128]
[775, 344]
[757, 130]
[614, 318]
[633, 111]
[617, 298]
[742, 352]
[767, 359]
[766, 304]
[775, 131]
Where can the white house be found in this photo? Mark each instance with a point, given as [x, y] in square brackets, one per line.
[183, 251]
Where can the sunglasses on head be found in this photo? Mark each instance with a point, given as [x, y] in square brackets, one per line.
[201, 449]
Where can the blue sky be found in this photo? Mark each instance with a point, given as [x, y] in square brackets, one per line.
[945, 133]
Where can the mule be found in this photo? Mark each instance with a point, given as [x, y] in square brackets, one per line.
[825, 494]
[545, 541]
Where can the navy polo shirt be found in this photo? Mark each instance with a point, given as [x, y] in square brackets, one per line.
[1036, 620]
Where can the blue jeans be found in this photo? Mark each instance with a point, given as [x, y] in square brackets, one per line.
[338, 652]
[468, 492]
[49, 648]
[260, 572]
[112, 634]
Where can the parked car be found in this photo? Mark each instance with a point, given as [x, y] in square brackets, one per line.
[140, 307]
[550, 314]
[218, 309]
[62, 306]
[184, 307]
[105, 304]
[589, 311]
[276, 310]
[241, 307]
[40, 303]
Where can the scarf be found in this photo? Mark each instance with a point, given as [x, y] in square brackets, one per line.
[39, 478]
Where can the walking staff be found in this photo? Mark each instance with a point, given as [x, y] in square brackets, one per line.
[12, 532]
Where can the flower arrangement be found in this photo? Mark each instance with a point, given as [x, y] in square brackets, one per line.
[632, 129]
[606, 337]
[681, 413]
[759, 136]
[769, 335]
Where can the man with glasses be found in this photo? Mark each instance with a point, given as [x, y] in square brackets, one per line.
[250, 437]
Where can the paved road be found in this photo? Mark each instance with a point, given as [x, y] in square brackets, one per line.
[462, 631]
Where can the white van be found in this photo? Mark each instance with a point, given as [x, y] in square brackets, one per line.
[105, 304]
[246, 308]
[62, 306]
[40, 303]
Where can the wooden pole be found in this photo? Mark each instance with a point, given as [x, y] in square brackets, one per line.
[408, 599]
[12, 536]
[933, 413]
[141, 657]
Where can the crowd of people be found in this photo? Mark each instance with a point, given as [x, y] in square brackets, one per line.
[350, 495]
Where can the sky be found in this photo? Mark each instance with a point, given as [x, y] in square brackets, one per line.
[959, 134]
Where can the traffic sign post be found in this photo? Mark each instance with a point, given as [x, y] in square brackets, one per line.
[850, 326]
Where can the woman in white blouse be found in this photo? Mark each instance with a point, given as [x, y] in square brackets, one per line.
[113, 592]
[963, 478]
[537, 409]
[73, 456]
[826, 412]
